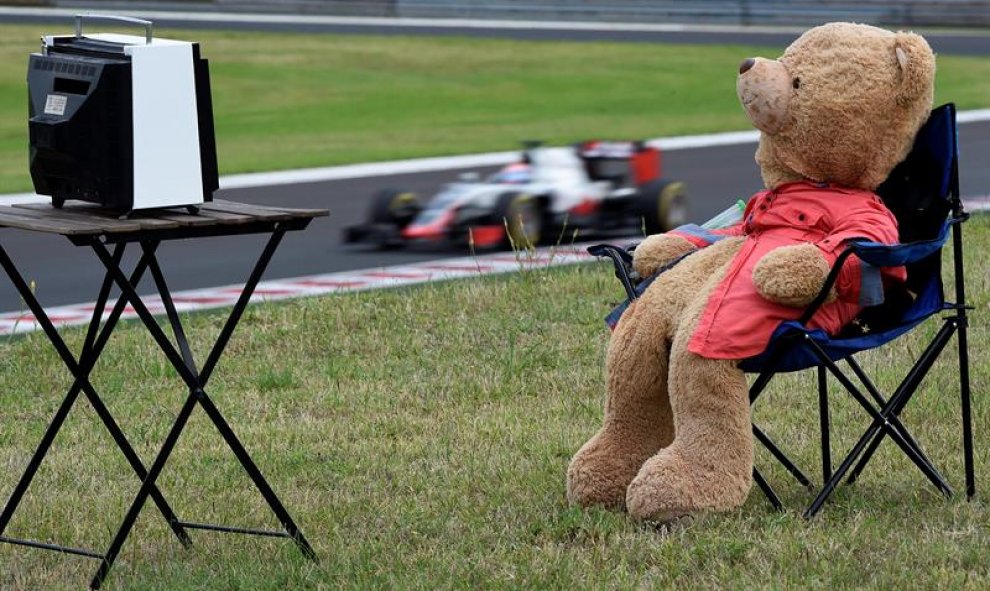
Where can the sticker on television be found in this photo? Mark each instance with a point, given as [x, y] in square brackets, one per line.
[55, 105]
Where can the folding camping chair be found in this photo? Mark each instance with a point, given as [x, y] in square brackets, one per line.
[923, 193]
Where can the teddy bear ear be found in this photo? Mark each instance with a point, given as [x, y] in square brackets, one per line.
[917, 67]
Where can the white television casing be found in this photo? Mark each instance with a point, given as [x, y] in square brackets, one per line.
[167, 168]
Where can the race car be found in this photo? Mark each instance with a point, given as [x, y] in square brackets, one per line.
[592, 187]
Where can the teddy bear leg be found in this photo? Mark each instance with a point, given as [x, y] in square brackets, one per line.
[709, 464]
[637, 413]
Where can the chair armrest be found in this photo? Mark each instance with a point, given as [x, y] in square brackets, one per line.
[622, 260]
[896, 255]
[880, 255]
[830, 279]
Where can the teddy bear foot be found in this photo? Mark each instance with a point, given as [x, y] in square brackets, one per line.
[654, 496]
[668, 489]
[589, 488]
[600, 473]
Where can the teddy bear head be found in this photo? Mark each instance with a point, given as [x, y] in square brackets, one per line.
[842, 105]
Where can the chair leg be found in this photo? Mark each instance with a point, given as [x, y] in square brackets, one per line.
[767, 490]
[893, 417]
[967, 414]
[961, 322]
[781, 457]
[883, 418]
[754, 392]
[906, 389]
[874, 431]
[880, 421]
[823, 421]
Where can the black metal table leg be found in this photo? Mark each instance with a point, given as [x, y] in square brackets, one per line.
[203, 398]
[95, 341]
[259, 480]
[184, 364]
[156, 468]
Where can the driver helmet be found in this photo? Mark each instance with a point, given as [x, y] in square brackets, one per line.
[517, 173]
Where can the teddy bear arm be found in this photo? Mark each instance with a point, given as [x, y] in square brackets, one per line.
[858, 282]
[791, 275]
[658, 250]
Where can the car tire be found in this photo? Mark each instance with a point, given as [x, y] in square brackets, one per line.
[392, 206]
[662, 205]
[523, 219]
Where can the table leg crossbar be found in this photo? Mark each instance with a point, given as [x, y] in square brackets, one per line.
[183, 362]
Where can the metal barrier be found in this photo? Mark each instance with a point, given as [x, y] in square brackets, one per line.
[765, 12]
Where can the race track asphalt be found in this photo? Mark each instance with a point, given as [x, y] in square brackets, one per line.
[65, 274]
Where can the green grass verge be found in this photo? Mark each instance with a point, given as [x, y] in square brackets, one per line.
[420, 436]
[288, 101]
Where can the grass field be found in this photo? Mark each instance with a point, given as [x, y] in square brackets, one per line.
[420, 437]
[289, 101]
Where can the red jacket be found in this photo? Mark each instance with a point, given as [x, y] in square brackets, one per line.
[737, 322]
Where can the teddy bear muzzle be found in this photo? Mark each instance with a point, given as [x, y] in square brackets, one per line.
[764, 89]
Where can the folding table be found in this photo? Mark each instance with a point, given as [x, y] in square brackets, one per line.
[98, 229]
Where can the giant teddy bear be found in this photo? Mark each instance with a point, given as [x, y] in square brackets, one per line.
[836, 113]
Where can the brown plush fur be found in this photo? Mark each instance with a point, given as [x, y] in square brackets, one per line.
[827, 64]
[651, 395]
[842, 105]
[793, 276]
[657, 251]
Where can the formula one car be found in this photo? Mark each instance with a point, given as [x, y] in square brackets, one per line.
[596, 186]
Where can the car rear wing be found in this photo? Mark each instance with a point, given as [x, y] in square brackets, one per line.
[613, 160]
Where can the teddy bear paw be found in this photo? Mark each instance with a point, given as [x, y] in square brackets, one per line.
[658, 250]
[791, 275]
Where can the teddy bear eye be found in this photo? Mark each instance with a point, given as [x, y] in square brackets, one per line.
[796, 83]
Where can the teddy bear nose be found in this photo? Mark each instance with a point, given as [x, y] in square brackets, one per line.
[746, 65]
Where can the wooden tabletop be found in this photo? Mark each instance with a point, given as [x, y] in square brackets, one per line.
[85, 219]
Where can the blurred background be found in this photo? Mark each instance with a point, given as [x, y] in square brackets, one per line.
[330, 103]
